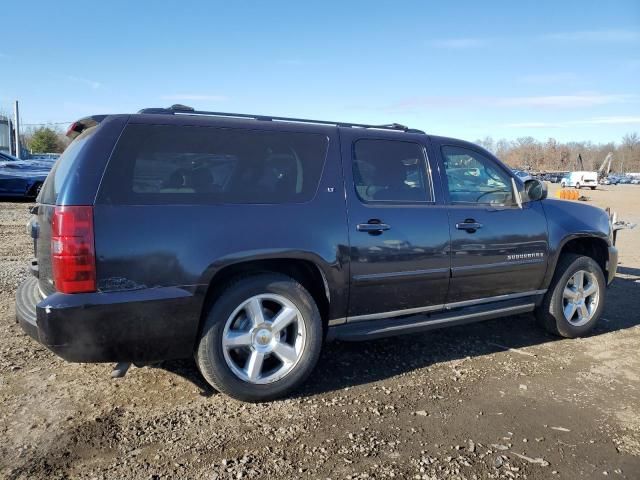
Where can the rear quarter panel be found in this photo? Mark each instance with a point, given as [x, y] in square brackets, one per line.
[184, 246]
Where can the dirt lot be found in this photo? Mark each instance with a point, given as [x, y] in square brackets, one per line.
[500, 399]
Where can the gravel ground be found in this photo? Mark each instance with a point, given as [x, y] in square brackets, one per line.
[500, 399]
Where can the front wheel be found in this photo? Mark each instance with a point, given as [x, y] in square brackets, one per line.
[261, 339]
[577, 186]
[593, 188]
[575, 299]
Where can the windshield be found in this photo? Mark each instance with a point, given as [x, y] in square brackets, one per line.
[5, 157]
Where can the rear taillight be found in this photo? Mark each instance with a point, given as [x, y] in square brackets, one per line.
[72, 129]
[73, 257]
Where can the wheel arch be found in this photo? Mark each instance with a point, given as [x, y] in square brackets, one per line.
[591, 246]
[306, 271]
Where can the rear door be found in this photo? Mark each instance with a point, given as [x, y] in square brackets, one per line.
[398, 225]
[497, 247]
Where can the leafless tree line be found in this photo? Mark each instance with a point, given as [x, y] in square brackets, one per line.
[527, 153]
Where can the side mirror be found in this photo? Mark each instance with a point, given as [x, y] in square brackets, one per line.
[534, 190]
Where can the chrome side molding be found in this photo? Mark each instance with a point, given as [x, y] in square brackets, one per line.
[435, 308]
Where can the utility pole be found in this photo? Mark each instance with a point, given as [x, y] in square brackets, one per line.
[16, 112]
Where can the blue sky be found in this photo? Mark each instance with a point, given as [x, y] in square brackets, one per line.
[563, 69]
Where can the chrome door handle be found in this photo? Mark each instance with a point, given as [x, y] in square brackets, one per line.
[468, 226]
[372, 227]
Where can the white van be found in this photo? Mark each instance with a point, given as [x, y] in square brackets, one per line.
[580, 179]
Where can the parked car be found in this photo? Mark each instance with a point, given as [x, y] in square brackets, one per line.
[553, 177]
[580, 179]
[51, 157]
[613, 179]
[523, 176]
[248, 241]
[22, 178]
[625, 180]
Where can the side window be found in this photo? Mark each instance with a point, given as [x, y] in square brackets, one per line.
[156, 164]
[62, 169]
[474, 178]
[391, 171]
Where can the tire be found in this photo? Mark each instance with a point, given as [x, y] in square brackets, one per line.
[562, 185]
[551, 312]
[593, 188]
[577, 186]
[35, 190]
[228, 369]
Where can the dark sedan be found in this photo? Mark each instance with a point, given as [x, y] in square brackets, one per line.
[22, 178]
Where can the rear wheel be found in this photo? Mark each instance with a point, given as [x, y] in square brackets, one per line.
[35, 190]
[261, 339]
[575, 299]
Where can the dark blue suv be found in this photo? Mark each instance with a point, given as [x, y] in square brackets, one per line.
[247, 241]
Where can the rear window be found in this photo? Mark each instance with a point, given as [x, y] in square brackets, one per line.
[63, 168]
[164, 164]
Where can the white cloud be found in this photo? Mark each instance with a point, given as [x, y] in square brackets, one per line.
[531, 125]
[579, 100]
[595, 36]
[460, 43]
[194, 96]
[548, 78]
[614, 120]
[91, 83]
[611, 120]
[565, 101]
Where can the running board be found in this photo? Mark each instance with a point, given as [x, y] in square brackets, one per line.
[388, 327]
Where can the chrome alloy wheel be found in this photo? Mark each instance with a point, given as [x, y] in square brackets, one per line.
[580, 298]
[264, 338]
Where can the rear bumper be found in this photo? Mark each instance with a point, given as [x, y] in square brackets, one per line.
[27, 298]
[145, 325]
[612, 264]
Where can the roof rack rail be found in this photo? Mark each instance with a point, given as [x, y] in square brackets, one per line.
[185, 110]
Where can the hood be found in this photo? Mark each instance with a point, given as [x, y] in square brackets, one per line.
[25, 168]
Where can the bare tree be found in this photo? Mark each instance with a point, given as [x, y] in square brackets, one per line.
[631, 152]
[488, 143]
[631, 140]
[531, 154]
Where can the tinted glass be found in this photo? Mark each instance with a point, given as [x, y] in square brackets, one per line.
[388, 170]
[474, 178]
[184, 164]
[5, 157]
[62, 168]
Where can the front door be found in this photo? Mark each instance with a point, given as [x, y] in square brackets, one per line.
[398, 226]
[497, 247]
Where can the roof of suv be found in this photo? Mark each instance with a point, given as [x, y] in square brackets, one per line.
[182, 110]
[183, 115]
